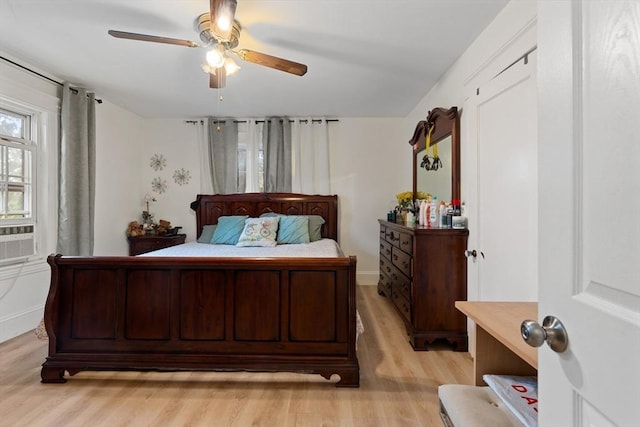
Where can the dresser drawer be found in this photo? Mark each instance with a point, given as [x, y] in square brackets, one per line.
[403, 286]
[387, 267]
[383, 232]
[385, 249]
[402, 261]
[392, 236]
[384, 284]
[402, 304]
[406, 242]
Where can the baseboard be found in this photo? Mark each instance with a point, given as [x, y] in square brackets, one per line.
[19, 323]
[367, 278]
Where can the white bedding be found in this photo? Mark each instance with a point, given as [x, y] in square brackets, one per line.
[324, 248]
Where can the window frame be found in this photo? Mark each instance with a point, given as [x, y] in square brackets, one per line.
[26, 144]
[245, 152]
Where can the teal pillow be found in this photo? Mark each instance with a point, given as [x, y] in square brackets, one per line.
[207, 234]
[259, 232]
[293, 229]
[315, 227]
[228, 230]
[315, 224]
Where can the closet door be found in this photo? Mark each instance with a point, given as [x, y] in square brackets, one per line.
[504, 209]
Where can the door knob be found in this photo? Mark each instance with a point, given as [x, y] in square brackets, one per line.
[552, 331]
[472, 253]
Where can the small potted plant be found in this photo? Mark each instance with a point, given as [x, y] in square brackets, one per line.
[406, 202]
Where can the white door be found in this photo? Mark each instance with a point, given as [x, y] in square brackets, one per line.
[504, 116]
[589, 196]
[500, 183]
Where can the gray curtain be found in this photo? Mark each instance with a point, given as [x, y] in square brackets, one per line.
[276, 142]
[223, 149]
[76, 172]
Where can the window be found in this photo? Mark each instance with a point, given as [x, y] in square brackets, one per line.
[250, 152]
[17, 195]
[16, 167]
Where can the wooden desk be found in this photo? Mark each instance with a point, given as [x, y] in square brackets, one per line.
[500, 348]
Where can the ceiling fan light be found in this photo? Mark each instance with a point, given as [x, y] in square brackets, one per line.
[222, 15]
[223, 24]
[230, 66]
[215, 57]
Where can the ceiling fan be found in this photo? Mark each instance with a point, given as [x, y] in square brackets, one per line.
[220, 32]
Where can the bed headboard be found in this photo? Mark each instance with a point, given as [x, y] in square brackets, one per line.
[209, 207]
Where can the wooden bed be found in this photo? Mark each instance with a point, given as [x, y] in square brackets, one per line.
[207, 314]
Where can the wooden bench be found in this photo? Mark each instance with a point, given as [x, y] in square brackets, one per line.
[499, 349]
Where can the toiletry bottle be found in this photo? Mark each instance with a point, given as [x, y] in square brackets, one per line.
[442, 215]
[410, 218]
[433, 212]
[456, 207]
[449, 216]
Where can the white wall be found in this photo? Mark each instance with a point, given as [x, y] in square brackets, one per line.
[177, 142]
[370, 163]
[119, 151]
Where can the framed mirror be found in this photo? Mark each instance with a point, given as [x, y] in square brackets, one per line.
[436, 169]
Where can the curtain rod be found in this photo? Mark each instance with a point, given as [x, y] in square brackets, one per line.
[99, 101]
[262, 121]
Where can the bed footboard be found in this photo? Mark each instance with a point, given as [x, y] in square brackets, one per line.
[168, 314]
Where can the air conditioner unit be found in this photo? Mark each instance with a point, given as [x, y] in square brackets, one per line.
[17, 242]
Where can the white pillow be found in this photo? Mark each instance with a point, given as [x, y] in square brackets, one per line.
[259, 232]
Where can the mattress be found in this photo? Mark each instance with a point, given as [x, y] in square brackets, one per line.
[324, 248]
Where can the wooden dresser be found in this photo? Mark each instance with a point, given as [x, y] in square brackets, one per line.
[141, 244]
[423, 271]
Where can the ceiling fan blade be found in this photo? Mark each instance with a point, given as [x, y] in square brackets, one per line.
[272, 62]
[222, 15]
[155, 39]
[218, 79]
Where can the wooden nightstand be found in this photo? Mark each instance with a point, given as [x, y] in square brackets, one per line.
[141, 244]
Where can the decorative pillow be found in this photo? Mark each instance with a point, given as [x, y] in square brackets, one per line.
[315, 224]
[228, 230]
[259, 232]
[293, 229]
[207, 234]
[315, 227]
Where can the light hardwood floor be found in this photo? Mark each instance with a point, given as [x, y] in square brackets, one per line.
[398, 387]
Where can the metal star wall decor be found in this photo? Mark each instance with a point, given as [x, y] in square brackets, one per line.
[181, 176]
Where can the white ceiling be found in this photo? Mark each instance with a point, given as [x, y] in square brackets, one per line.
[366, 58]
